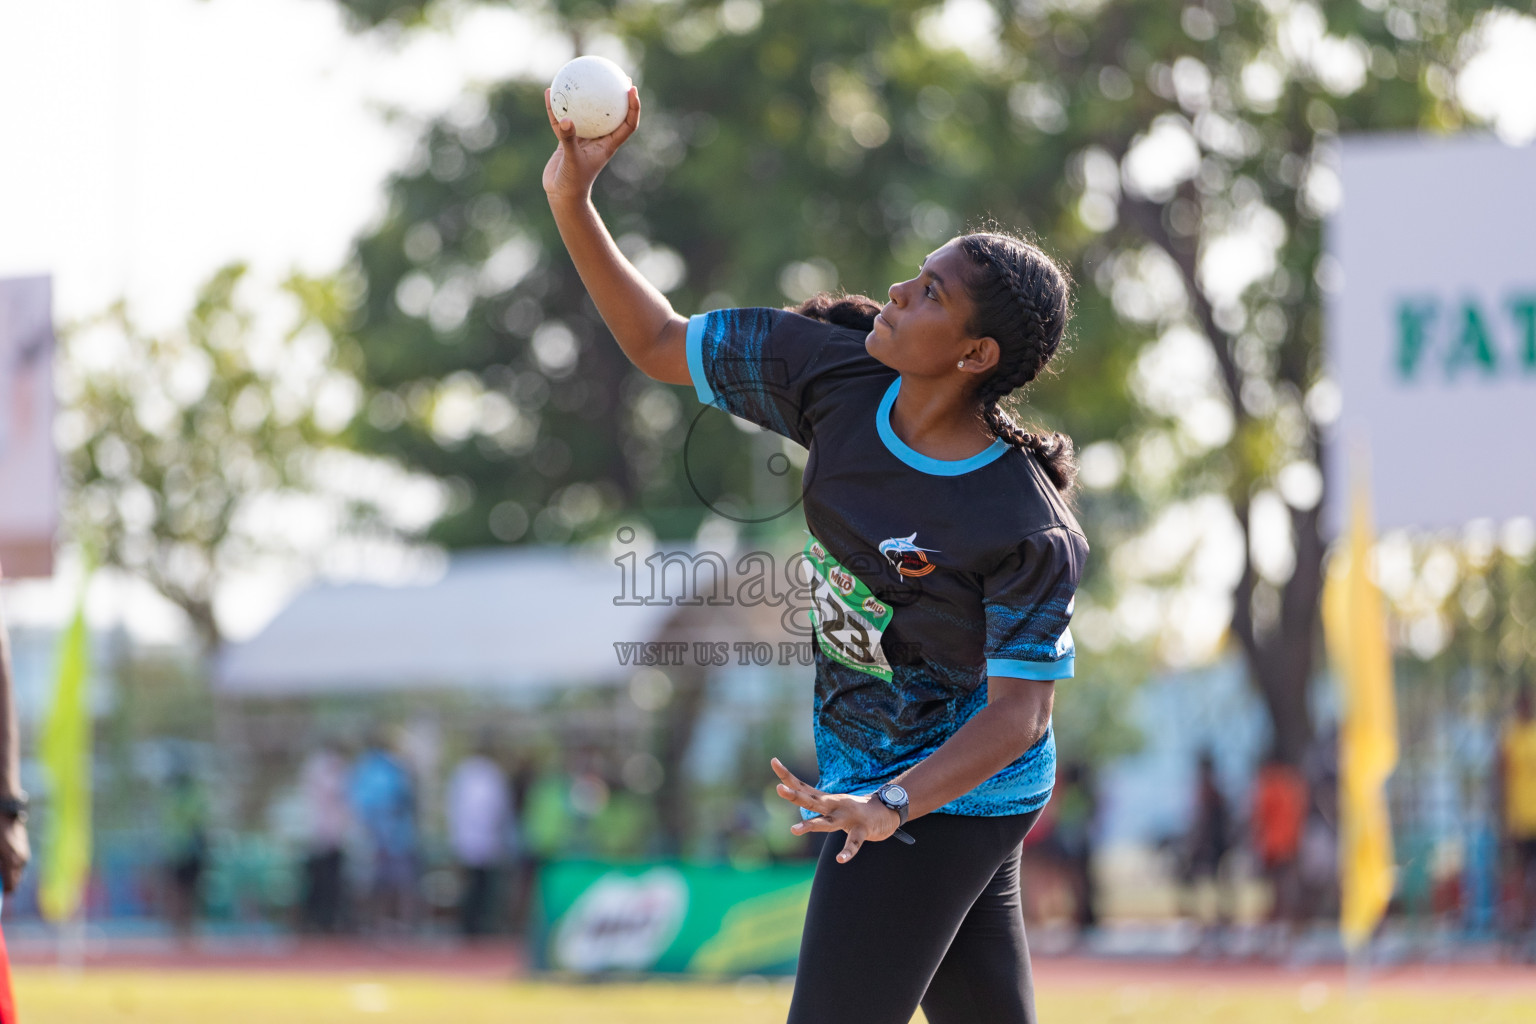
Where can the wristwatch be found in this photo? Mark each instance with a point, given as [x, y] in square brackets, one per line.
[14, 806]
[894, 797]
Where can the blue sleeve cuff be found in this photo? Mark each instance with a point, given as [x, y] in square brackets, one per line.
[696, 359]
[1061, 669]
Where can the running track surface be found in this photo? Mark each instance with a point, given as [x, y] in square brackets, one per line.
[506, 960]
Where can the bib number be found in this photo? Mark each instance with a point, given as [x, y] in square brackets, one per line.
[845, 614]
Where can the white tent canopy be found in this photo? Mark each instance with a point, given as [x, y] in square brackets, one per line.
[523, 619]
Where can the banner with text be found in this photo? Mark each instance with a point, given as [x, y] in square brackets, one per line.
[1432, 330]
[671, 917]
[29, 472]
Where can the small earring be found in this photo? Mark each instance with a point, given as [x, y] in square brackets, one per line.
[960, 365]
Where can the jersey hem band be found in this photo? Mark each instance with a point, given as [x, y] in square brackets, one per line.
[1042, 670]
[695, 348]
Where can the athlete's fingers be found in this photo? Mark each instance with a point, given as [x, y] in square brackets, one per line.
[810, 799]
[788, 779]
[565, 131]
[792, 780]
[820, 823]
[851, 847]
[631, 119]
[797, 792]
[784, 773]
[550, 110]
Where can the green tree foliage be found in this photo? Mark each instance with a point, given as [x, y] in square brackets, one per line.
[840, 160]
[1253, 96]
[792, 145]
[182, 446]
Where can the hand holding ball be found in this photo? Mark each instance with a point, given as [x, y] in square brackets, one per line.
[594, 93]
[593, 108]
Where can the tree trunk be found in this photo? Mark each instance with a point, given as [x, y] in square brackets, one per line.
[674, 804]
[1280, 659]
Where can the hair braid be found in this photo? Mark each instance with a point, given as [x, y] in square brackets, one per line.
[852, 311]
[1021, 301]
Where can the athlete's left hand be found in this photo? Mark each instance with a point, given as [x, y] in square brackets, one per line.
[863, 817]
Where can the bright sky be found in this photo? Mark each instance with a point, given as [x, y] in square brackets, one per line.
[153, 140]
[150, 141]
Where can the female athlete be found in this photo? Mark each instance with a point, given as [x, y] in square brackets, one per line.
[942, 559]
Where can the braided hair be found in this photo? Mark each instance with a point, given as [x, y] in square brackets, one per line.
[852, 311]
[1021, 301]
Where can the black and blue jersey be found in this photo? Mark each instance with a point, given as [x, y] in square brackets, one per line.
[977, 558]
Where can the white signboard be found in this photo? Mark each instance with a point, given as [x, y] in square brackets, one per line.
[29, 472]
[1432, 337]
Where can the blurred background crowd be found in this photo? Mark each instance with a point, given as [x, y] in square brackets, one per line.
[412, 816]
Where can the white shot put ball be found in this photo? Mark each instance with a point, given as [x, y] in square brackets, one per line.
[593, 92]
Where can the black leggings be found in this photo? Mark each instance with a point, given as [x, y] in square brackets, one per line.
[939, 923]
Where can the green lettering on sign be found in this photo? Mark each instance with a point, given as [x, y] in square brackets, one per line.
[1472, 345]
[1524, 309]
[1412, 329]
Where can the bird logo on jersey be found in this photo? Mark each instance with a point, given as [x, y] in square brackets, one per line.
[906, 556]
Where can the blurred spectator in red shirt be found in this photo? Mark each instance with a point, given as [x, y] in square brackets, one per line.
[1279, 812]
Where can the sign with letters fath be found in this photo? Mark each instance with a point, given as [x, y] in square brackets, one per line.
[1432, 335]
[29, 473]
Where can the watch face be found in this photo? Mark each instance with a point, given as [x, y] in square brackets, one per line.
[895, 794]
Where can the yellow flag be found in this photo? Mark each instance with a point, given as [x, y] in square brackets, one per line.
[1355, 625]
[66, 756]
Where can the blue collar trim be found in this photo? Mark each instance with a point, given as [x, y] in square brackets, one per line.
[916, 459]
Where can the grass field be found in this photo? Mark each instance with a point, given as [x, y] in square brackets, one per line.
[48, 996]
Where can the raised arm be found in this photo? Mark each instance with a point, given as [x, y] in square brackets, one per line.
[649, 331]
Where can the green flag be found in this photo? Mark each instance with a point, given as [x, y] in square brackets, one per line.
[66, 756]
